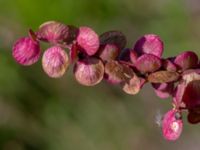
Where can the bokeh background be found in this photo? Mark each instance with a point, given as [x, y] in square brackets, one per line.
[39, 113]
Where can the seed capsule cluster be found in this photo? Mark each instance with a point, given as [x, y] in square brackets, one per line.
[105, 57]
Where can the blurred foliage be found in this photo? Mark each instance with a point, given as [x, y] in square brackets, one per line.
[39, 113]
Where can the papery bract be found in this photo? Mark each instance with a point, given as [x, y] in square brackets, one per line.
[149, 44]
[171, 126]
[134, 85]
[89, 71]
[108, 52]
[116, 73]
[88, 40]
[148, 63]
[186, 60]
[55, 61]
[113, 37]
[26, 51]
[163, 77]
[53, 31]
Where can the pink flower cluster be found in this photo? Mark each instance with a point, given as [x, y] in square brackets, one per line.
[106, 57]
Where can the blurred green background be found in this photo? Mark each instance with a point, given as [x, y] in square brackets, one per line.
[39, 113]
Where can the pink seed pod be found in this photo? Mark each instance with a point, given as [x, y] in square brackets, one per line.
[148, 63]
[149, 44]
[186, 60]
[163, 77]
[26, 51]
[108, 52]
[116, 72]
[55, 62]
[171, 125]
[113, 37]
[88, 40]
[54, 32]
[134, 85]
[89, 71]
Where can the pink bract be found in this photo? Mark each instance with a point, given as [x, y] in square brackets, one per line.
[108, 52]
[134, 85]
[26, 51]
[171, 126]
[55, 62]
[148, 63]
[186, 60]
[149, 44]
[88, 40]
[54, 32]
[89, 72]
